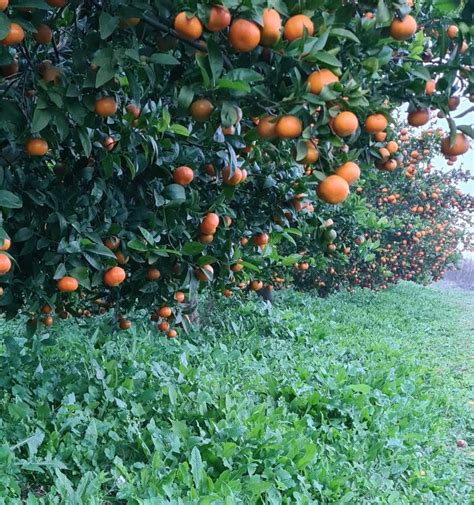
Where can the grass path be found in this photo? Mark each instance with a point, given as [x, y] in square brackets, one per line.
[356, 399]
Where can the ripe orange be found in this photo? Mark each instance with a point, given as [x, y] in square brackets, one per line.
[204, 273]
[134, 110]
[266, 127]
[392, 147]
[389, 165]
[237, 267]
[47, 320]
[112, 243]
[320, 78]
[188, 26]
[384, 153]
[334, 189]
[163, 326]
[219, 18]
[109, 143]
[312, 154]
[418, 117]
[296, 25]
[206, 239]
[244, 35]
[153, 274]
[125, 324]
[375, 123]
[201, 109]
[43, 34]
[349, 171]
[271, 30]
[460, 146]
[403, 29]
[453, 102]
[227, 293]
[345, 123]
[172, 334]
[288, 127]
[3, 5]
[165, 312]
[114, 276]
[105, 107]
[129, 22]
[209, 224]
[452, 31]
[179, 296]
[36, 147]
[67, 284]
[261, 239]
[5, 264]
[14, 36]
[235, 179]
[430, 87]
[183, 175]
[380, 136]
[10, 69]
[5, 244]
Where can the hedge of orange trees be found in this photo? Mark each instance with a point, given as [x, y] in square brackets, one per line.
[151, 149]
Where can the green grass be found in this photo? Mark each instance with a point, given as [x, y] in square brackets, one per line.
[355, 399]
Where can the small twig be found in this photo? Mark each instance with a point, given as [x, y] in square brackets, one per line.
[26, 55]
[467, 111]
[55, 47]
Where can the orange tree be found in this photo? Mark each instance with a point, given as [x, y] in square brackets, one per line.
[150, 149]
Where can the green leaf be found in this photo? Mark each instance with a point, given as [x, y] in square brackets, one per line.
[30, 4]
[244, 74]
[383, 16]
[216, 61]
[107, 24]
[468, 130]
[9, 200]
[346, 34]
[4, 25]
[192, 248]
[234, 85]
[327, 58]
[446, 6]
[137, 245]
[361, 388]
[99, 249]
[197, 468]
[104, 75]
[163, 59]
[174, 192]
[41, 118]
[85, 140]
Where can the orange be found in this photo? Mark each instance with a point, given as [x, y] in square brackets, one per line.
[163, 326]
[256, 285]
[153, 274]
[390, 165]
[266, 127]
[288, 127]
[235, 179]
[179, 296]
[296, 25]
[67, 284]
[334, 189]
[452, 31]
[43, 34]
[109, 143]
[46, 309]
[380, 136]
[312, 154]
[375, 123]
[172, 334]
[418, 117]
[49, 72]
[430, 87]
[10, 69]
[271, 30]
[36, 147]
[188, 26]
[349, 171]
[392, 147]
[201, 272]
[47, 320]
[134, 110]
[453, 102]
[183, 175]
[244, 36]
[165, 312]
[403, 29]
[209, 224]
[261, 239]
[384, 153]
[114, 276]
[345, 123]
[105, 107]
[125, 324]
[56, 3]
[201, 109]
[5, 244]
[14, 36]
[219, 18]
[320, 78]
[3, 5]
[5, 264]
[112, 243]
[129, 22]
[206, 239]
[460, 145]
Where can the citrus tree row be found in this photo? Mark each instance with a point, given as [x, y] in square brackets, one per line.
[150, 150]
